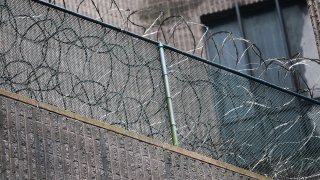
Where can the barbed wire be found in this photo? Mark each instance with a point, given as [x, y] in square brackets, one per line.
[81, 66]
[165, 27]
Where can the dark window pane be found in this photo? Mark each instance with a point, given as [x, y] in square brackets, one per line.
[264, 31]
[301, 40]
[226, 49]
[299, 29]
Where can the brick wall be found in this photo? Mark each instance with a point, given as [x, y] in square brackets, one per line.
[314, 6]
[191, 10]
[39, 141]
[144, 12]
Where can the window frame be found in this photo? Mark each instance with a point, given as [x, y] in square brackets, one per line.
[238, 12]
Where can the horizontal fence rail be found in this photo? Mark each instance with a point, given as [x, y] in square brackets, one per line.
[59, 57]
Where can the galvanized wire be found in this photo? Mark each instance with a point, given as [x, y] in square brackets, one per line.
[243, 122]
[108, 74]
[83, 67]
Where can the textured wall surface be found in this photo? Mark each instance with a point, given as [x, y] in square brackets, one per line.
[146, 11]
[38, 144]
[190, 9]
[313, 6]
[143, 13]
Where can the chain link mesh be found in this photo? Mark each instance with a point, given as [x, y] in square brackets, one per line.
[243, 122]
[85, 67]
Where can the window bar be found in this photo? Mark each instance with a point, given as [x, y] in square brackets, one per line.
[284, 37]
[284, 34]
[237, 7]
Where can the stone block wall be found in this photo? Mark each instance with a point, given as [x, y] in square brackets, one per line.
[40, 141]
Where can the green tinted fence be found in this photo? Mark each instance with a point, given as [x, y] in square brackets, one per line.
[59, 57]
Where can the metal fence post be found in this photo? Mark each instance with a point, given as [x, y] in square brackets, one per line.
[173, 126]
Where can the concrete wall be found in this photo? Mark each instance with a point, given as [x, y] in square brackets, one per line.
[39, 141]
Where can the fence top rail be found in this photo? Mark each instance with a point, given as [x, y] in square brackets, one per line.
[308, 99]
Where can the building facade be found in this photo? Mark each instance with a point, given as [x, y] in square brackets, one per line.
[72, 62]
[273, 30]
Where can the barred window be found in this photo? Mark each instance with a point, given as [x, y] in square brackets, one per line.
[277, 31]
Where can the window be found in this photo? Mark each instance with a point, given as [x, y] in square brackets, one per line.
[281, 31]
[275, 37]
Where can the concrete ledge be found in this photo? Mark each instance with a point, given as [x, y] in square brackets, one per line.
[124, 132]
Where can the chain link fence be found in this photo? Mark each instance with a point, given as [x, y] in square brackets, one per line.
[82, 65]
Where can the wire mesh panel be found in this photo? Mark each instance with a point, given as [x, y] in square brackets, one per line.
[81, 66]
[243, 122]
[71, 62]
